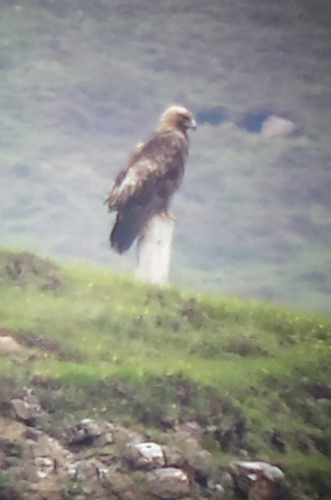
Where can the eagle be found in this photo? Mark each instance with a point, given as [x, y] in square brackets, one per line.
[153, 172]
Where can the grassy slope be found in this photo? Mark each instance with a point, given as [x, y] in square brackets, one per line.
[83, 82]
[111, 348]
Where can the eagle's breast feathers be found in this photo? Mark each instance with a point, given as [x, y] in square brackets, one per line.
[159, 160]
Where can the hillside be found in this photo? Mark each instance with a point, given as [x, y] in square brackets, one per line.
[97, 345]
[83, 81]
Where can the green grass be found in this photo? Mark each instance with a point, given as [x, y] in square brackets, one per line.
[148, 354]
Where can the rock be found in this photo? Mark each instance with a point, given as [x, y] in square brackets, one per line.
[219, 491]
[144, 456]
[38, 469]
[8, 345]
[220, 484]
[21, 409]
[262, 489]
[173, 456]
[168, 483]
[183, 439]
[86, 470]
[89, 432]
[275, 125]
[47, 469]
[33, 434]
[11, 430]
[119, 484]
[46, 465]
[29, 410]
[123, 436]
[46, 446]
[224, 479]
[98, 479]
[193, 429]
[259, 480]
[49, 488]
[201, 461]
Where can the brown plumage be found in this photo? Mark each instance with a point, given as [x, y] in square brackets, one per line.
[152, 174]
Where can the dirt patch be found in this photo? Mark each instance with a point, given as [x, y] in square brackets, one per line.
[25, 269]
[47, 344]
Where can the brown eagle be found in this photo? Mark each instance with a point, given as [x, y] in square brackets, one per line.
[152, 174]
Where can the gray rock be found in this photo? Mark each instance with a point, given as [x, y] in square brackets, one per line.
[193, 429]
[91, 432]
[119, 484]
[168, 483]
[246, 473]
[86, 470]
[124, 436]
[22, 410]
[44, 467]
[219, 491]
[201, 461]
[184, 440]
[29, 409]
[47, 446]
[145, 456]
[173, 456]
[225, 480]
[271, 472]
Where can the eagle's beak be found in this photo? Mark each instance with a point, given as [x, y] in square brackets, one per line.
[193, 124]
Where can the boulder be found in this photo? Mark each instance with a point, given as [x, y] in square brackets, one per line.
[184, 440]
[168, 483]
[123, 436]
[8, 345]
[89, 432]
[220, 484]
[173, 456]
[28, 409]
[251, 469]
[201, 461]
[144, 456]
[89, 470]
[258, 480]
[262, 489]
[224, 479]
[21, 410]
[119, 484]
[192, 429]
[48, 447]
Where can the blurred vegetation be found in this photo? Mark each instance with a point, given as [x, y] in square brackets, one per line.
[104, 346]
[83, 81]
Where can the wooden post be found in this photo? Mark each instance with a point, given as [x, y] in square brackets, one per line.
[154, 251]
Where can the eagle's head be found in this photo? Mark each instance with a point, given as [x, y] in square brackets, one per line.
[177, 117]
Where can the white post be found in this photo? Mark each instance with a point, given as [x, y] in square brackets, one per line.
[154, 251]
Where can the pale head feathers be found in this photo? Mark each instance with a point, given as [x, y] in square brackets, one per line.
[177, 117]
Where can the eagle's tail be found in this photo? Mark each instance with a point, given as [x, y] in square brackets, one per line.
[128, 226]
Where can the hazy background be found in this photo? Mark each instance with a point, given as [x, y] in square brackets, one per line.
[83, 81]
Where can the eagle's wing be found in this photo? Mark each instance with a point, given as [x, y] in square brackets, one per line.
[151, 160]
